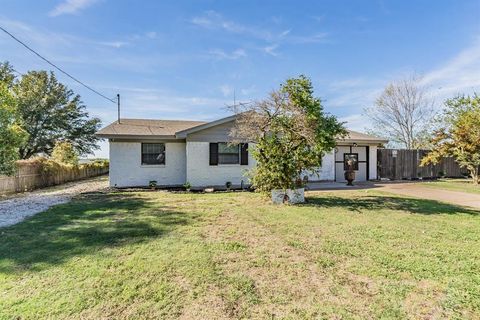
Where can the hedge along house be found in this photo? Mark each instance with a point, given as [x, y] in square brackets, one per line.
[173, 152]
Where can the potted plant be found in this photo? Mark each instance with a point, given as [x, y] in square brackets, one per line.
[228, 185]
[187, 185]
[152, 184]
[290, 195]
[350, 173]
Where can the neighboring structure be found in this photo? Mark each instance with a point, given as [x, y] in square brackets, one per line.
[174, 152]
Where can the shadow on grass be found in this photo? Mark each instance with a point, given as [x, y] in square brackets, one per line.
[84, 226]
[412, 205]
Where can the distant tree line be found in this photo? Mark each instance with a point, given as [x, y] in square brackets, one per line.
[37, 112]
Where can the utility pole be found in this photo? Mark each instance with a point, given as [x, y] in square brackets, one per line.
[234, 99]
[118, 107]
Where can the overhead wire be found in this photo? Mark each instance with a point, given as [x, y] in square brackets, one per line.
[56, 67]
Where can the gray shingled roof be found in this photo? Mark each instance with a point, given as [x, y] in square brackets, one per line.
[168, 128]
[147, 127]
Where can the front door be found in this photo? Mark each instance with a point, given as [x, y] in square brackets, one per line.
[358, 155]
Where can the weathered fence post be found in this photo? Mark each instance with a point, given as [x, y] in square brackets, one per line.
[29, 176]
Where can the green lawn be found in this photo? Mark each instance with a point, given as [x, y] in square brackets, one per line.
[349, 255]
[463, 185]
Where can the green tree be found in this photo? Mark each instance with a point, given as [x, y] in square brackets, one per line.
[291, 132]
[64, 152]
[459, 137]
[12, 136]
[51, 112]
[7, 76]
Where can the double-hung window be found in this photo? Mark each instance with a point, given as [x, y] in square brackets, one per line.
[153, 153]
[228, 153]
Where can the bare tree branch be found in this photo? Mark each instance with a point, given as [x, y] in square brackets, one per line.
[402, 112]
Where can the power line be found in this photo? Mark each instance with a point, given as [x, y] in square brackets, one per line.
[58, 68]
[18, 72]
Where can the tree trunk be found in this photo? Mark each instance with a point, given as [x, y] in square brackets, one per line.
[475, 177]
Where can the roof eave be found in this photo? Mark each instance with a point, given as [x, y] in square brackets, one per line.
[135, 136]
[379, 141]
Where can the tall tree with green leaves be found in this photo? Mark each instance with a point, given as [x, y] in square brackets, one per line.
[63, 152]
[12, 136]
[51, 112]
[291, 133]
[7, 76]
[459, 136]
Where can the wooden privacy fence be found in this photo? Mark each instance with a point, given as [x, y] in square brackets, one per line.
[399, 164]
[30, 175]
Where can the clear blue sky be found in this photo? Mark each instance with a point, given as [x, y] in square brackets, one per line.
[183, 59]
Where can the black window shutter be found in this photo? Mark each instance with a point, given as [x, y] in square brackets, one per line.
[213, 154]
[244, 154]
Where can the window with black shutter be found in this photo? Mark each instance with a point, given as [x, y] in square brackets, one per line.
[228, 153]
[153, 153]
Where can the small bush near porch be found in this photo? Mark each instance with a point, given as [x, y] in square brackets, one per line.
[360, 254]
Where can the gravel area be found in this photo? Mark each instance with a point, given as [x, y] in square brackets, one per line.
[17, 208]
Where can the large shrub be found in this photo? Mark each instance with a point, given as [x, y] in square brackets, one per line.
[459, 135]
[291, 131]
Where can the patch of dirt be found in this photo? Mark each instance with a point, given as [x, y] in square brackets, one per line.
[211, 306]
[420, 308]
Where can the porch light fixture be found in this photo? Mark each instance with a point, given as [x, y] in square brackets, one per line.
[355, 144]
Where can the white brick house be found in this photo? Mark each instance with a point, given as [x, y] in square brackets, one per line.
[174, 152]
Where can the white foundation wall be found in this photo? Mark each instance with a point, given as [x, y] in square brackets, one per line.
[326, 172]
[126, 169]
[201, 174]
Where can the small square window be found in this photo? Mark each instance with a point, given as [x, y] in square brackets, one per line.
[350, 156]
[153, 153]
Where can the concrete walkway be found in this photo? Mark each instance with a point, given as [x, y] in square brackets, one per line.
[330, 185]
[418, 191]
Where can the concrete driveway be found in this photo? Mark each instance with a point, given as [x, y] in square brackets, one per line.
[411, 189]
[416, 190]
